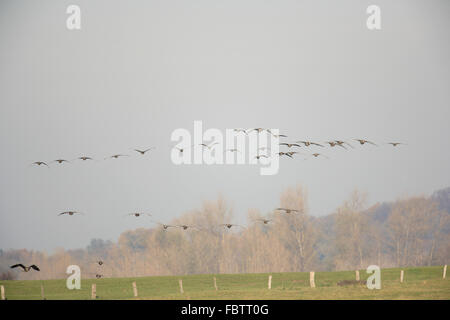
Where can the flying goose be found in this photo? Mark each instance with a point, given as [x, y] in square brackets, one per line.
[287, 210]
[143, 151]
[70, 213]
[26, 269]
[309, 143]
[115, 156]
[277, 135]
[209, 146]
[229, 225]
[290, 145]
[39, 163]
[315, 155]
[394, 144]
[285, 154]
[60, 161]
[334, 143]
[362, 141]
[186, 226]
[341, 143]
[138, 214]
[259, 130]
[84, 158]
[291, 153]
[240, 130]
[261, 156]
[265, 221]
[165, 226]
[180, 149]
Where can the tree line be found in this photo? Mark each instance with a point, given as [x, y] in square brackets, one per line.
[413, 231]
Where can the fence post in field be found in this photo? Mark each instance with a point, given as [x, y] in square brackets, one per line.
[270, 282]
[135, 291]
[357, 275]
[215, 283]
[94, 291]
[445, 272]
[2, 289]
[401, 276]
[181, 286]
[311, 279]
[42, 292]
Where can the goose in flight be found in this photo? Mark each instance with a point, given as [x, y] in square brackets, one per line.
[290, 145]
[287, 210]
[40, 163]
[99, 262]
[341, 143]
[334, 143]
[60, 160]
[165, 226]
[180, 149]
[84, 158]
[261, 156]
[259, 130]
[264, 221]
[285, 154]
[362, 141]
[315, 155]
[138, 214]
[310, 143]
[229, 225]
[394, 144]
[26, 269]
[240, 130]
[143, 151]
[186, 226]
[291, 153]
[70, 213]
[277, 135]
[115, 156]
[209, 146]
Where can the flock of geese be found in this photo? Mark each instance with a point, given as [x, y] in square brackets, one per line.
[164, 226]
[289, 145]
[210, 146]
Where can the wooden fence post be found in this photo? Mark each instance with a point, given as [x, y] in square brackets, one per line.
[270, 282]
[401, 276]
[42, 292]
[2, 290]
[311, 279]
[357, 275]
[135, 291]
[215, 283]
[180, 282]
[445, 272]
[94, 291]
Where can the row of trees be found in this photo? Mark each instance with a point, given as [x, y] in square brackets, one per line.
[410, 232]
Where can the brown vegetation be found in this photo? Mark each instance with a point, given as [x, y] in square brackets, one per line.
[409, 232]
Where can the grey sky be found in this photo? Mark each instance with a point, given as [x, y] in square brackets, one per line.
[137, 70]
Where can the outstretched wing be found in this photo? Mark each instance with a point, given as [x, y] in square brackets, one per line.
[18, 265]
[35, 267]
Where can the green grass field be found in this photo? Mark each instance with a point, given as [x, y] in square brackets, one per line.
[419, 283]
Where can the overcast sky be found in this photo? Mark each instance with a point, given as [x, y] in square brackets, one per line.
[138, 70]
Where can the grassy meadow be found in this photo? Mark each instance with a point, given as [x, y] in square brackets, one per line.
[419, 283]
